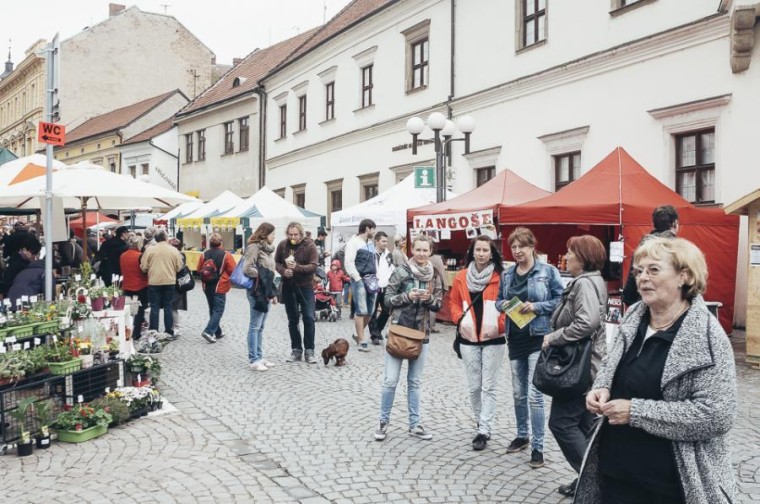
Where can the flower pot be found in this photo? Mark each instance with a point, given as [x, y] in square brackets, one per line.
[81, 436]
[47, 327]
[25, 449]
[142, 383]
[63, 368]
[21, 331]
[118, 302]
[87, 361]
[98, 304]
[43, 442]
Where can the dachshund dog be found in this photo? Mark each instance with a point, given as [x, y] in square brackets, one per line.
[338, 349]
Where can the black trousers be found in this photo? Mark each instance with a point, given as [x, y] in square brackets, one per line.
[571, 423]
[623, 492]
[379, 317]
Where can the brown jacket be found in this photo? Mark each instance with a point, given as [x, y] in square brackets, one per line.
[161, 262]
[306, 256]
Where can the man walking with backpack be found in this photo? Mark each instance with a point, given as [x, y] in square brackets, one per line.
[215, 267]
[161, 262]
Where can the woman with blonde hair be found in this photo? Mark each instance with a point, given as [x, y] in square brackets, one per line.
[666, 391]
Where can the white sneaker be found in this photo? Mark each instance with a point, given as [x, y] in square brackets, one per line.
[421, 433]
[258, 366]
[268, 363]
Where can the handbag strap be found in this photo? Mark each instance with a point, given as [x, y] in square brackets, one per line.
[480, 294]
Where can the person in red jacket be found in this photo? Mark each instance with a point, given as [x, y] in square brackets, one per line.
[216, 291]
[135, 282]
[336, 278]
[481, 331]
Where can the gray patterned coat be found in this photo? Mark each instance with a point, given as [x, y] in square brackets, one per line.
[699, 407]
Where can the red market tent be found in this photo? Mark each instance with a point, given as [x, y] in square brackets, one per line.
[93, 218]
[504, 190]
[619, 192]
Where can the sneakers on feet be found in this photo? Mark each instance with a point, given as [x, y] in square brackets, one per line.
[209, 337]
[536, 459]
[517, 444]
[309, 357]
[294, 356]
[220, 335]
[569, 489]
[268, 364]
[356, 338]
[381, 432]
[480, 442]
[363, 347]
[421, 433]
[259, 366]
[375, 341]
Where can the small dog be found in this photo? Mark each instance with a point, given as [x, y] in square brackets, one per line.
[338, 349]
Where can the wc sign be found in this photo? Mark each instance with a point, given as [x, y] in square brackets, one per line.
[51, 133]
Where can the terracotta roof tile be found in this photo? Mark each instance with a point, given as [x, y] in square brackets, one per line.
[116, 119]
[255, 66]
[149, 133]
[350, 15]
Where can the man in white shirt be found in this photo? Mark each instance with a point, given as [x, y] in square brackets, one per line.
[385, 267]
[360, 263]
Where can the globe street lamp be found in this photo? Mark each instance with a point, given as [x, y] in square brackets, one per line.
[443, 134]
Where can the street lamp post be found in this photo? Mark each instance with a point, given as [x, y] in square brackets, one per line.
[443, 133]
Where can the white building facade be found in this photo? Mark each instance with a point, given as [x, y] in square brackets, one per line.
[553, 86]
[153, 157]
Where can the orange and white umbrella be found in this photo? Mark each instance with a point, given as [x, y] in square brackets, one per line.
[25, 168]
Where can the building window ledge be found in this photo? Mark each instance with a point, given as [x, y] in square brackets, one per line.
[299, 132]
[363, 109]
[281, 139]
[535, 45]
[417, 89]
[327, 121]
[628, 8]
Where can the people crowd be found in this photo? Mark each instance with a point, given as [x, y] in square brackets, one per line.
[649, 423]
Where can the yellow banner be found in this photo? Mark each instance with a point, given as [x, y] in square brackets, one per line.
[225, 222]
[187, 222]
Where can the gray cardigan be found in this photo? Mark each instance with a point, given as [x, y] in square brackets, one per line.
[580, 315]
[698, 410]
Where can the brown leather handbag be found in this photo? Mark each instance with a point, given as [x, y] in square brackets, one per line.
[403, 342]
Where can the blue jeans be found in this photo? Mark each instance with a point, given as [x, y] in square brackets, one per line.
[255, 330]
[161, 297]
[413, 384]
[294, 298]
[216, 304]
[364, 302]
[346, 289]
[525, 394]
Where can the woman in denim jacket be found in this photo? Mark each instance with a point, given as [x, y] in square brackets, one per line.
[539, 287]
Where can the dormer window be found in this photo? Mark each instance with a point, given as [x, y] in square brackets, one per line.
[238, 81]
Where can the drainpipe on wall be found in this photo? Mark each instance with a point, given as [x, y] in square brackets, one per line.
[259, 90]
[452, 60]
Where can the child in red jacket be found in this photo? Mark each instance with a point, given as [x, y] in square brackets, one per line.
[336, 277]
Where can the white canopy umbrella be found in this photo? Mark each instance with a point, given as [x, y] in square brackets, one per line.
[25, 168]
[88, 185]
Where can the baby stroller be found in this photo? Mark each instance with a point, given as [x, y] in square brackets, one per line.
[325, 306]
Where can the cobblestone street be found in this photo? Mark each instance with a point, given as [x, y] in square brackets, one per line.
[303, 433]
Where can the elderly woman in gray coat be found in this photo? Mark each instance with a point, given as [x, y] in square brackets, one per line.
[667, 391]
[579, 317]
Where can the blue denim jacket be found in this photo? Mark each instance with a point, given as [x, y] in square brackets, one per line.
[544, 291]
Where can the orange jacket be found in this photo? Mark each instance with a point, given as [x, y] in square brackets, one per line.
[492, 326]
[228, 266]
[134, 279]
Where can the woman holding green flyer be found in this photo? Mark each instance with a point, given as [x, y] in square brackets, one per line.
[529, 292]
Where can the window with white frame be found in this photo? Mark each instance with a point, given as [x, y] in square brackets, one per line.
[283, 121]
[483, 175]
[244, 133]
[334, 198]
[329, 101]
[367, 85]
[531, 26]
[302, 113]
[368, 186]
[695, 166]
[229, 139]
[189, 148]
[201, 134]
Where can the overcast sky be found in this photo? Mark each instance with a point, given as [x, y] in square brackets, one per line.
[230, 28]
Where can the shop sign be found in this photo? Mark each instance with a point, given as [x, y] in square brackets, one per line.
[225, 222]
[454, 222]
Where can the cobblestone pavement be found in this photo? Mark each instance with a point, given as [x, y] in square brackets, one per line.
[303, 433]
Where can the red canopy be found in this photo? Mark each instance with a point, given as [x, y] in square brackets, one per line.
[620, 192]
[506, 189]
[93, 218]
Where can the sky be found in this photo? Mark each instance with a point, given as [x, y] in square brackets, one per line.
[230, 28]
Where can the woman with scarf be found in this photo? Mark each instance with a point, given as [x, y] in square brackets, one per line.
[413, 290]
[481, 330]
[258, 256]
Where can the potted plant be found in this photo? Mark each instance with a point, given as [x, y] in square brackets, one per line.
[143, 368]
[13, 367]
[113, 349]
[116, 296]
[43, 413]
[61, 360]
[25, 446]
[81, 423]
[97, 298]
[118, 409]
[83, 347]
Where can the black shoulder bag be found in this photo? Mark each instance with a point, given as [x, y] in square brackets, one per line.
[458, 337]
[564, 372]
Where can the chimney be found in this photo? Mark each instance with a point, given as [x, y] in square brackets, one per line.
[114, 9]
[236, 61]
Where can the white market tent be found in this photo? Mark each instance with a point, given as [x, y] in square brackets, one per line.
[193, 225]
[182, 210]
[387, 209]
[265, 206]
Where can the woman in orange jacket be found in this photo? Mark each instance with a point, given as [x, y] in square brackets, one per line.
[481, 330]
